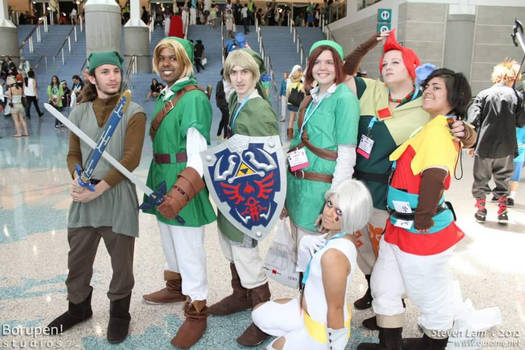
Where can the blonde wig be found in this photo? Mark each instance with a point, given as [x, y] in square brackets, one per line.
[241, 58]
[185, 65]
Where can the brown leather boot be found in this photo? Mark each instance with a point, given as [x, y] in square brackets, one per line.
[172, 293]
[194, 326]
[289, 132]
[239, 300]
[253, 335]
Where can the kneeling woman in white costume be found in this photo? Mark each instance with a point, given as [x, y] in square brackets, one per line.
[320, 317]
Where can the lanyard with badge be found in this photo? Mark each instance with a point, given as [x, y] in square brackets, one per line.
[366, 143]
[298, 159]
[235, 115]
[307, 271]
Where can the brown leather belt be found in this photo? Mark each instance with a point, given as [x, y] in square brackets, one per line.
[308, 175]
[166, 158]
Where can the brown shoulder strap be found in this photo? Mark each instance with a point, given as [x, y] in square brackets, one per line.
[168, 106]
[302, 110]
[320, 152]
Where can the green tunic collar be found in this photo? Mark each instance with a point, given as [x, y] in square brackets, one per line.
[168, 92]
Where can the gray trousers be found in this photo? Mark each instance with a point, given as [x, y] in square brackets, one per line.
[485, 168]
[83, 245]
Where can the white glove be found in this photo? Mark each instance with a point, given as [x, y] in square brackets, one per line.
[307, 247]
[337, 338]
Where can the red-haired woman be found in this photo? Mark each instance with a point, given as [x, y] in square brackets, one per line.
[322, 153]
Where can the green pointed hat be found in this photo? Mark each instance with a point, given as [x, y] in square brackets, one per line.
[96, 59]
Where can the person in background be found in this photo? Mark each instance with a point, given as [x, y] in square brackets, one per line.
[154, 89]
[518, 166]
[76, 88]
[55, 93]
[295, 83]
[31, 94]
[283, 98]
[15, 94]
[66, 97]
[222, 104]
[199, 55]
[495, 113]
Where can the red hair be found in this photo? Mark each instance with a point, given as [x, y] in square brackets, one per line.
[410, 58]
[338, 63]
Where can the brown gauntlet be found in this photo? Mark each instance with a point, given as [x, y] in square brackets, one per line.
[354, 58]
[188, 184]
[430, 191]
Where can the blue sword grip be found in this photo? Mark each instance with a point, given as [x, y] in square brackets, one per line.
[83, 180]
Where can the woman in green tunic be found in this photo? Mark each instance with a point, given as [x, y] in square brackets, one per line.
[322, 152]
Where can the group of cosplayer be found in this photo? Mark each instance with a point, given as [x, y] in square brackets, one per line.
[399, 139]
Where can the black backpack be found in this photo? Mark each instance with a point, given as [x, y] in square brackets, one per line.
[296, 97]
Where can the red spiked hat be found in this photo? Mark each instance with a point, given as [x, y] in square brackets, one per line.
[410, 58]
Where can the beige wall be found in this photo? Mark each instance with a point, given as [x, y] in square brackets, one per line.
[422, 26]
[492, 42]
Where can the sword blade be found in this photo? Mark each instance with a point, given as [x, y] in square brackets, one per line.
[86, 139]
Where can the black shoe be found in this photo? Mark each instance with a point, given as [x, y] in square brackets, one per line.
[510, 202]
[503, 218]
[75, 314]
[40, 115]
[365, 301]
[119, 319]
[425, 342]
[481, 213]
[389, 339]
[371, 323]
[494, 198]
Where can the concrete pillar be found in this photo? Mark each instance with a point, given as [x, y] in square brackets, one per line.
[136, 39]
[9, 34]
[458, 43]
[102, 26]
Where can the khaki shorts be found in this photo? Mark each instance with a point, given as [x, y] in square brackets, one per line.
[17, 108]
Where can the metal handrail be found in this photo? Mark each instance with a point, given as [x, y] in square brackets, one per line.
[83, 65]
[68, 41]
[186, 25]
[222, 37]
[266, 58]
[37, 64]
[29, 38]
[131, 69]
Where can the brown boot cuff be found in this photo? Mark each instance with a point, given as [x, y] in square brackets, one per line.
[171, 275]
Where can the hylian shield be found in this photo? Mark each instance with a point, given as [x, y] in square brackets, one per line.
[246, 177]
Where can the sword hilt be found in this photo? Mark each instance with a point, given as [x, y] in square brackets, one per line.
[156, 198]
[83, 181]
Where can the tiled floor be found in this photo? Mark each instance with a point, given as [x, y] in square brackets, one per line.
[34, 200]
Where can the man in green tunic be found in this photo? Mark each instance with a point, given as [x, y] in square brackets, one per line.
[251, 115]
[180, 131]
[111, 211]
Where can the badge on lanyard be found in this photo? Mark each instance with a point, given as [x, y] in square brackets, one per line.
[365, 146]
[297, 159]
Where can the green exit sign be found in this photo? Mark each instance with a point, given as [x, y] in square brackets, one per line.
[384, 15]
[383, 27]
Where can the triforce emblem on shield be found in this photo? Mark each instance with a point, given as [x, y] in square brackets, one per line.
[246, 179]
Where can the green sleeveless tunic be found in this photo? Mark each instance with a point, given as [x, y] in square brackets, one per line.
[118, 206]
[333, 123]
[387, 134]
[192, 110]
